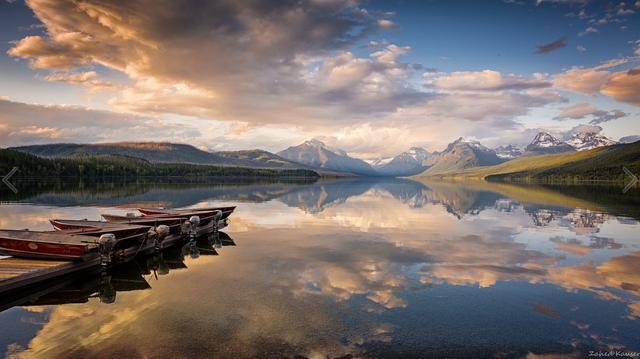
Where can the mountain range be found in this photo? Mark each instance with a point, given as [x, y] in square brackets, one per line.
[459, 155]
[598, 164]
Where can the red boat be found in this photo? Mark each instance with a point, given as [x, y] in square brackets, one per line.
[125, 235]
[226, 211]
[97, 228]
[46, 245]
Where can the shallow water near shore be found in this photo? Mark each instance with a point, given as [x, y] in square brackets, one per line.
[367, 268]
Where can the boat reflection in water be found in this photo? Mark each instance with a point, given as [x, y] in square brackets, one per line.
[361, 268]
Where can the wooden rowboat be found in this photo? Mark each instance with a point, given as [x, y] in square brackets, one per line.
[174, 224]
[207, 217]
[126, 235]
[226, 211]
[46, 245]
[98, 228]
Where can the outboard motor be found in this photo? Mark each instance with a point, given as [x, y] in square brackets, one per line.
[190, 227]
[159, 234]
[162, 230]
[216, 220]
[106, 243]
[195, 220]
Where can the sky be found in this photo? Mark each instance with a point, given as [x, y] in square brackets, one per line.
[371, 77]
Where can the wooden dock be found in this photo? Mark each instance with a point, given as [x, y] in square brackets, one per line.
[17, 274]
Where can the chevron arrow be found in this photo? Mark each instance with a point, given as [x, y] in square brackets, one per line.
[5, 179]
[634, 180]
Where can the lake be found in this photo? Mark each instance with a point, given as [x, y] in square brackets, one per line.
[346, 268]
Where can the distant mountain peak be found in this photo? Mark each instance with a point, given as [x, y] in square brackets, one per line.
[586, 140]
[629, 139]
[418, 153]
[317, 154]
[544, 142]
[314, 142]
[462, 154]
[508, 152]
[319, 144]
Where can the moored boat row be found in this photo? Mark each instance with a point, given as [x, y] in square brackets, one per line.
[77, 240]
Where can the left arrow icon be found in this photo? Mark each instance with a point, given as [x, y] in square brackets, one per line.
[5, 179]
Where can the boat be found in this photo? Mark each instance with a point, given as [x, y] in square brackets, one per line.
[46, 245]
[207, 218]
[226, 211]
[174, 223]
[126, 236]
[98, 228]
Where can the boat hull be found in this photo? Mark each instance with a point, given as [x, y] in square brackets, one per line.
[226, 211]
[24, 248]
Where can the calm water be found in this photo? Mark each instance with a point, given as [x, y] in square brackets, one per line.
[391, 268]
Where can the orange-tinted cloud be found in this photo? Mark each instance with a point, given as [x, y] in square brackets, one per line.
[623, 86]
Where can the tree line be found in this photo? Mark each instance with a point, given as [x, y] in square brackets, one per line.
[128, 167]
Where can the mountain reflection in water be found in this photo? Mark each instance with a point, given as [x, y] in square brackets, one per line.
[369, 268]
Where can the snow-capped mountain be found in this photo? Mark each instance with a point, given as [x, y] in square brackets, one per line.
[587, 140]
[508, 152]
[545, 143]
[460, 155]
[407, 163]
[315, 153]
[378, 162]
[419, 154]
[629, 139]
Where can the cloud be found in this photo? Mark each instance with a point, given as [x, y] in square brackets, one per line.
[288, 66]
[589, 30]
[624, 86]
[623, 10]
[583, 110]
[486, 80]
[225, 60]
[386, 24]
[88, 79]
[581, 48]
[24, 123]
[552, 46]
[587, 81]
[583, 129]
